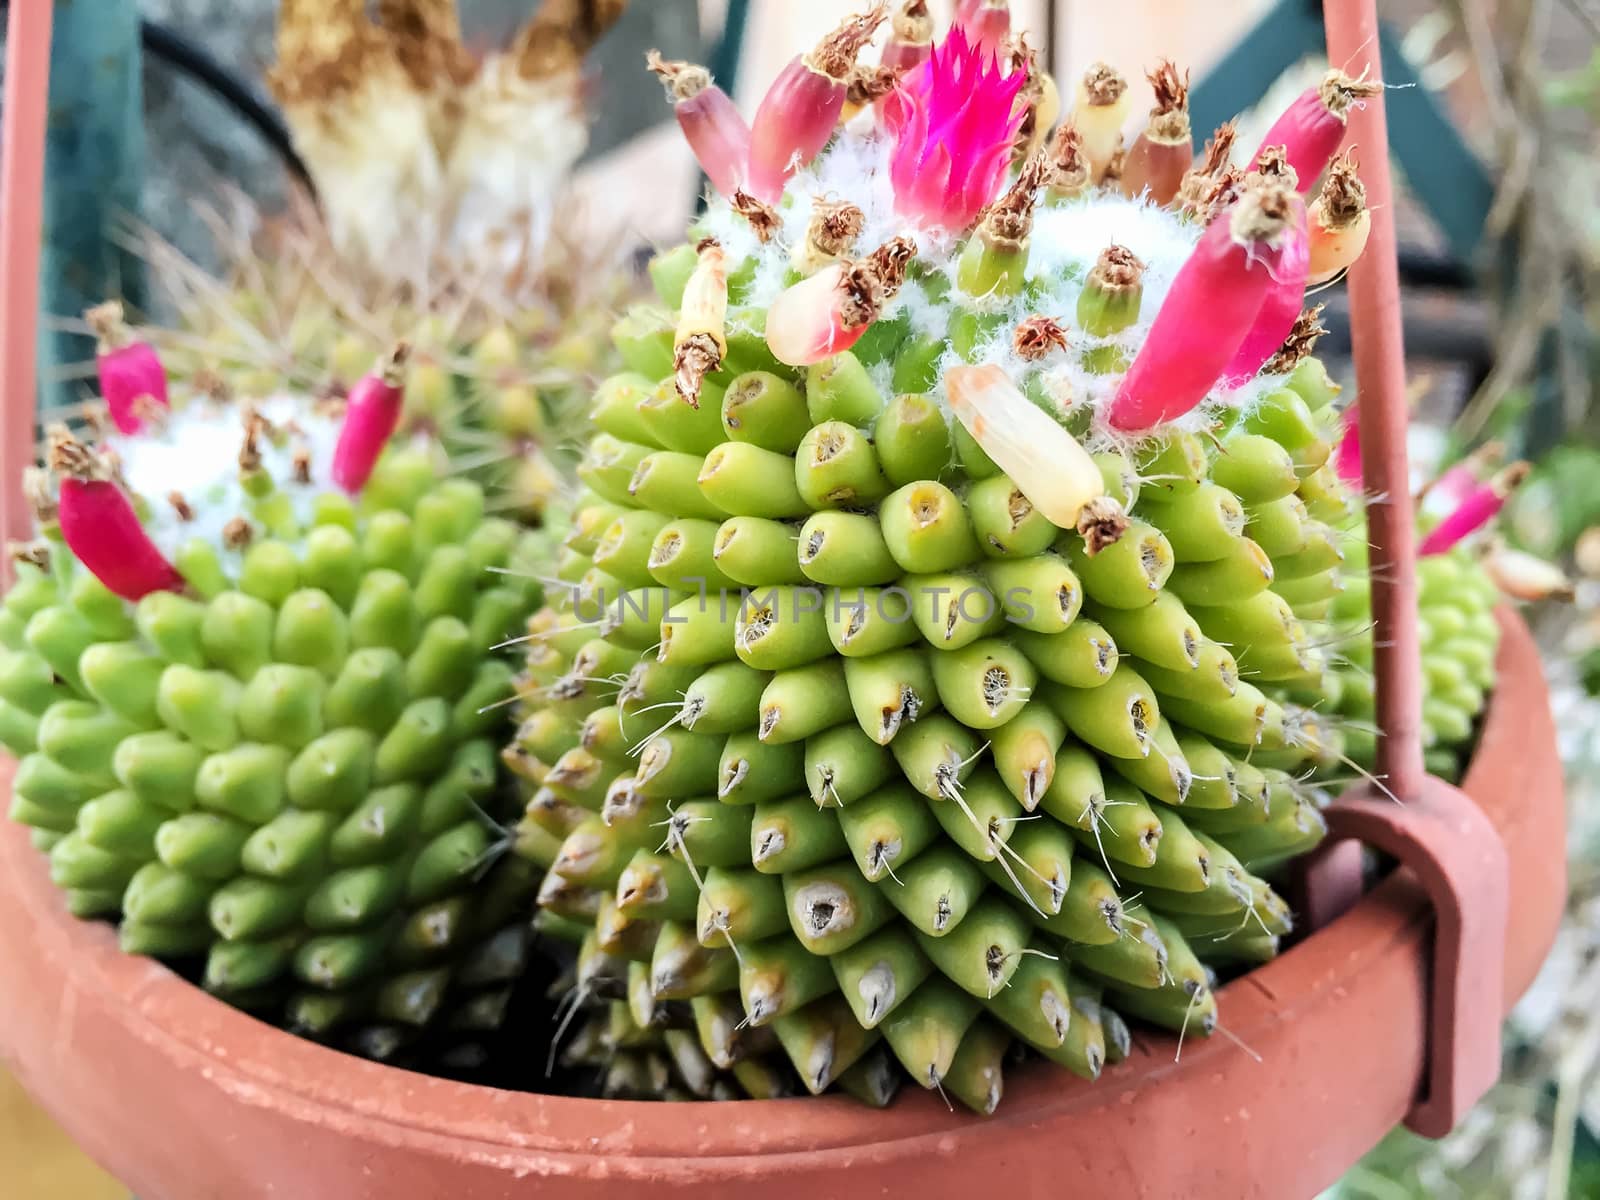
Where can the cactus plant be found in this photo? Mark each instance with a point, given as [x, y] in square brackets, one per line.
[495, 378]
[1460, 578]
[442, 219]
[247, 672]
[1459, 639]
[947, 588]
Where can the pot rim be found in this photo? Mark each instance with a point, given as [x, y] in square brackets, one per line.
[259, 1065]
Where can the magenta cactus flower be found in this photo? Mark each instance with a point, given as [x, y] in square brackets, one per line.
[132, 380]
[1347, 456]
[371, 415]
[954, 120]
[101, 528]
[1213, 305]
[1476, 510]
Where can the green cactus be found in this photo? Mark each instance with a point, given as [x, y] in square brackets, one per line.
[897, 772]
[286, 773]
[969, 712]
[986, 695]
[1458, 636]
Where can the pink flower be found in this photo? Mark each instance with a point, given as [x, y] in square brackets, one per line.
[132, 379]
[1347, 455]
[954, 120]
[1213, 305]
[101, 528]
[1476, 510]
[371, 415]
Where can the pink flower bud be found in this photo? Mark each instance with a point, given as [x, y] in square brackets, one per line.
[1211, 307]
[985, 22]
[829, 311]
[1452, 486]
[132, 379]
[798, 114]
[371, 415]
[1281, 308]
[1480, 507]
[716, 133]
[1311, 128]
[910, 38]
[101, 529]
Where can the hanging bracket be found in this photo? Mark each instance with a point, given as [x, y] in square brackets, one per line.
[1450, 847]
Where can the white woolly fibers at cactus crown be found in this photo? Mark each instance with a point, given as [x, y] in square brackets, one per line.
[195, 452]
[1064, 244]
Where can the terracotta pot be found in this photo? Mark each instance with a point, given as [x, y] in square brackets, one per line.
[184, 1098]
